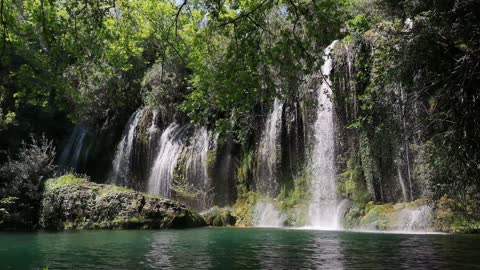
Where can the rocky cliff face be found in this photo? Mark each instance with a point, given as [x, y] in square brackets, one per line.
[75, 203]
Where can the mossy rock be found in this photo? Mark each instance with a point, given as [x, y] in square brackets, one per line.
[219, 217]
[74, 203]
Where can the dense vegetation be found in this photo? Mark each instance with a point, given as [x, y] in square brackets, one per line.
[222, 63]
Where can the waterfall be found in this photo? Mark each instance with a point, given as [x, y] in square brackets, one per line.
[323, 207]
[72, 152]
[170, 149]
[123, 155]
[402, 183]
[196, 165]
[266, 214]
[267, 152]
[154, 132]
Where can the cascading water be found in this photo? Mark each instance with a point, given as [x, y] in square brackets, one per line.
[71, 155]
[123, 155]
[323, 207]
[170, 149]
[196, 164]
[267, 152]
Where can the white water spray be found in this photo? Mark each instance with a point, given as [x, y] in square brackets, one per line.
[266, 214]
[417, 219]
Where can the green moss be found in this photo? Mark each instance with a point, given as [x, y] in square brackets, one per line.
[110, 189]
[152, 196]
[377, 215]
[211, 156]
[352, 183]
[126, 222]
[354, 215]
[244, 205]
[246, 199]
[68, 179]
[289, 199]
[245, 166]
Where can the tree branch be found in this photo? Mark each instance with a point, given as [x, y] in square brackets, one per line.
[178, 15]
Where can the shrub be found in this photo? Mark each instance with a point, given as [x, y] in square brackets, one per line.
[23, 178]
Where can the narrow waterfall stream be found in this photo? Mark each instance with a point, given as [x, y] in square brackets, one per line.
[322, 212]
[267, 152]
[154, 133]
[266, 214]
[196, 166]
[123, 155]
[71, 154]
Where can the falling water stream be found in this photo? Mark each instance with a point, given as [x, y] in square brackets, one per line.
[323, 206]
[123, 155]
[267, 152]
[71, 154]
[266, 214]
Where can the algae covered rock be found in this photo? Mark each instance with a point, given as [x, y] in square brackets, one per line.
[74, 203]
[411, 216]
[219, 217]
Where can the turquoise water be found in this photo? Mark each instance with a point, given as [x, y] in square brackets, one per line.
[237, 248]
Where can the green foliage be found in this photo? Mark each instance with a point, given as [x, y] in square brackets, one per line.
[5, 205]
[250, 52]
[246, 166]
[358, 25]
[457, 216]
[23, 178]
[164, 86]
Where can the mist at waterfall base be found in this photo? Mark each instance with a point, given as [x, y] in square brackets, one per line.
[236, 248]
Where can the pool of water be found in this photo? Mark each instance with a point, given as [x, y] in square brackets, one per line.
[237, 248]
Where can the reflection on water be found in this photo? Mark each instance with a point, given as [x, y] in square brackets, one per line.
[235, 248]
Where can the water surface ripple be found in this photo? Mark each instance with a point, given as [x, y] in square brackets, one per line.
[237, 248]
